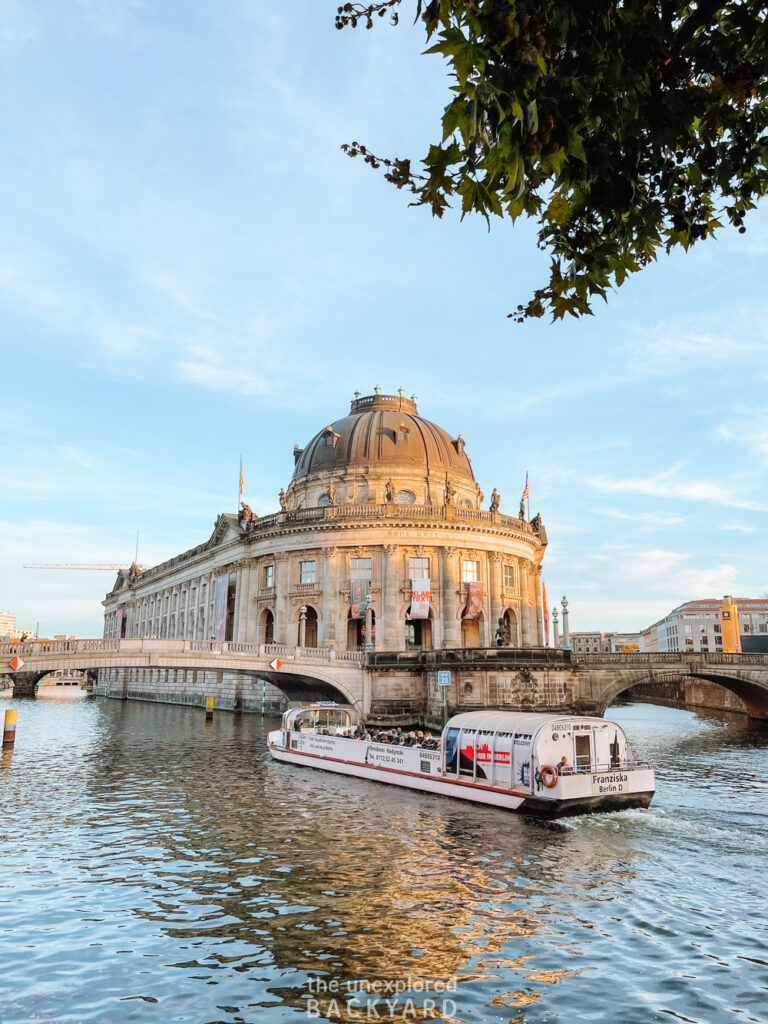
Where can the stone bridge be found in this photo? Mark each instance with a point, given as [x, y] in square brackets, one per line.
[387, 686]
[180, 668]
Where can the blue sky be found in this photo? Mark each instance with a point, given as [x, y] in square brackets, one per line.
[190, 269]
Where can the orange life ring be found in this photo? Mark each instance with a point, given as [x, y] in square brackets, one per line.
[548, 776]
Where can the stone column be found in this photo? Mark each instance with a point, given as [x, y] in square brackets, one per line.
[494, 598]
[525, 608]
[389, 629]
[243, 600]
[555, 629]
[330, 597]
[302, 630]
[539, 607]
[566, 632]
[451, 626]
[282, 587]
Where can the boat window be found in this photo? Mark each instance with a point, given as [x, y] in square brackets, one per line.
[583, 752]
[451, 739]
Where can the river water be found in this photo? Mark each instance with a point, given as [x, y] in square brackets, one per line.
[155, 868]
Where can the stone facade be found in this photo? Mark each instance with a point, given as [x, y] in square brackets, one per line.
[381, 497]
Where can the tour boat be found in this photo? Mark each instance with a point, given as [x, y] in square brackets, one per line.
[547, 764]
[61, 687]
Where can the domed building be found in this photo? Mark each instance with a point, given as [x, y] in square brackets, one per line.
[383, 541]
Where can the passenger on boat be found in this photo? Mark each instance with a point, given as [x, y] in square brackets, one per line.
[297, 724]
[562, 766]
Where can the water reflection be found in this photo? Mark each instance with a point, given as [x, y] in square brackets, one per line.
[155, 868]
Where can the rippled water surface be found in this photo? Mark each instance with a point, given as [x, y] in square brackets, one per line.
[157, 869]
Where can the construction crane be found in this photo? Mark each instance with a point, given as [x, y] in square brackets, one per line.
[97, 567]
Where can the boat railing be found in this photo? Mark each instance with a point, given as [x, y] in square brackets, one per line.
[605, 767]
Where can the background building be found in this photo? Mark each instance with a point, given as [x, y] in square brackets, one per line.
[382, 506]
[695, 626]
[10, 631]
[604, 643]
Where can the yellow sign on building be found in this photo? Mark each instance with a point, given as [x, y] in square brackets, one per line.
[729, 626]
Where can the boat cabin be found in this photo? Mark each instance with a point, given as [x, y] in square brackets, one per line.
[324, 717]
[510, 748]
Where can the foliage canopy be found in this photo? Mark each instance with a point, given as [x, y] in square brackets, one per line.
[624, 127]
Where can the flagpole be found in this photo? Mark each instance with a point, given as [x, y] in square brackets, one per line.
[528, 499]
[240, 485]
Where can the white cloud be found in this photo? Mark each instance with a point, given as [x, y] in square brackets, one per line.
[663, 348]
[18, 24]
[670, 484]
[645, 518]
[207, 374]
[750, 429]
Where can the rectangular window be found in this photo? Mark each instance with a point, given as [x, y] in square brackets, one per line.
[509, 577]
[687, 629]
[763, 627]
[716, 627]
[418, 568]
[308, 572]
[470, 572]
[360, 568]
[269, 575]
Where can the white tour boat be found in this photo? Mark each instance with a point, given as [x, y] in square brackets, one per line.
[543, 763]
[58, 686]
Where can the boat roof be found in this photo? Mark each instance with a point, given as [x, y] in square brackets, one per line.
[510, 721]
[322, 705]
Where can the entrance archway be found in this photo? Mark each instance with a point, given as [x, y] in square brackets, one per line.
[511, 635]
[310, 629]
[418, 633]
[356, 632]
[267, 627]
[471, 630]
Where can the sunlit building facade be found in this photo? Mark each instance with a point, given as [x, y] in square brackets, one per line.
[383, 539]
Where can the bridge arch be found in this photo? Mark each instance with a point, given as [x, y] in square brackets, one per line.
[753, 694]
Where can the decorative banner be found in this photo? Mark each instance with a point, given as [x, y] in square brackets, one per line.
[474, 601]
[16, 664]
[545, 608]
[119, 623]
[220, 608]
[359, 598]
[420, 591]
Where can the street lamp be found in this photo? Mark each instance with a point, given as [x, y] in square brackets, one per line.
[302, 625]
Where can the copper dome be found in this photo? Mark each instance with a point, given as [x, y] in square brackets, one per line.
[383, 430]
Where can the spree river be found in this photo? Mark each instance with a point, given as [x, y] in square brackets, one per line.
[155, 868]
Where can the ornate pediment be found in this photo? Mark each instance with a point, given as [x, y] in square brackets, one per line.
[226, 529]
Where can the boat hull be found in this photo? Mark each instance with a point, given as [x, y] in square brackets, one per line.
[60, 693]
[337, 759]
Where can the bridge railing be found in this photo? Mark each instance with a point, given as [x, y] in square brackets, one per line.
[137, 645]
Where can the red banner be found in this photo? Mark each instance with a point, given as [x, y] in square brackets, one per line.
[420, 595]
[545, 608]
[474, 601]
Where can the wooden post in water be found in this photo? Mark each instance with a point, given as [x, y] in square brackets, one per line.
[9, 728]
[208, 709]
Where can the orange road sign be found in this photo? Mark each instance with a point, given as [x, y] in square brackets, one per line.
[276, 664]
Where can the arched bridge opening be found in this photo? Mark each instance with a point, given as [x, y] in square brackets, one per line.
[753, 694]
[303, 688]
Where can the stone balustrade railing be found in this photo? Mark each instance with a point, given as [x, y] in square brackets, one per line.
[129, 645]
